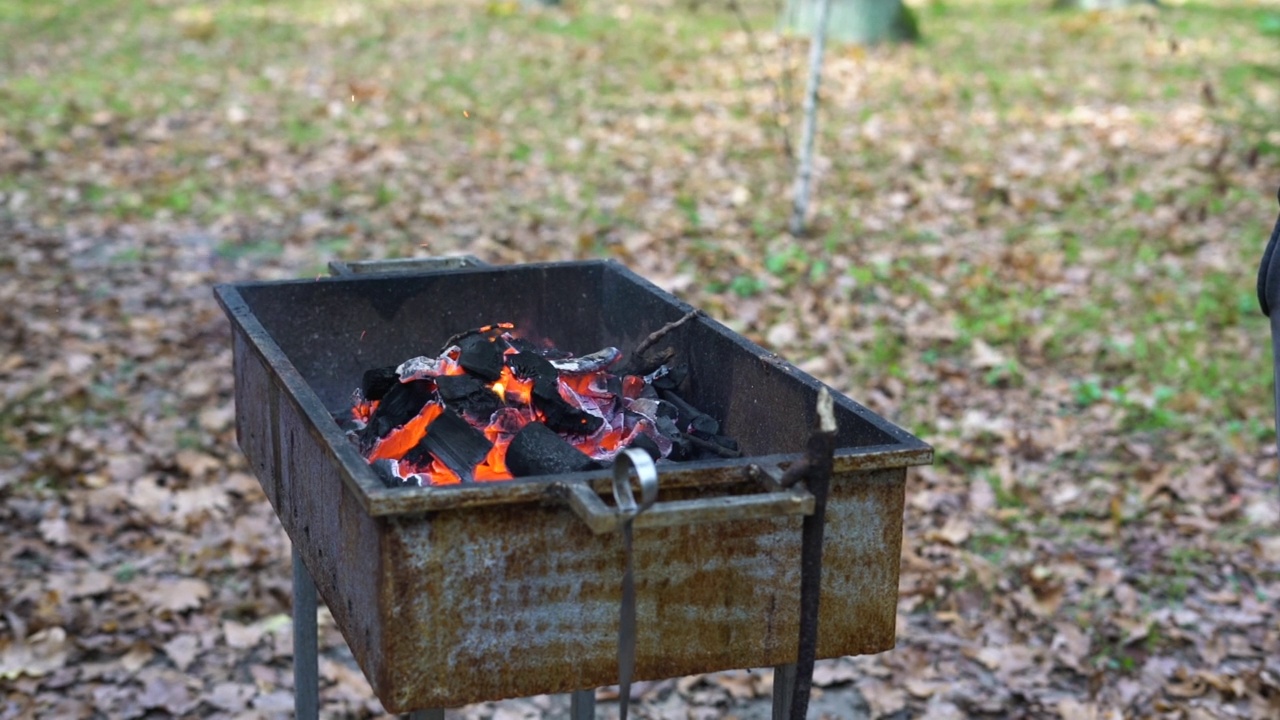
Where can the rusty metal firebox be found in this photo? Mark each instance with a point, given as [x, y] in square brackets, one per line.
[460, 594]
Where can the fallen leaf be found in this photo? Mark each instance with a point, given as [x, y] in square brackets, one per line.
[231, 696]
[182, 651]
[38, 655]
[241, 637]
[176, 595]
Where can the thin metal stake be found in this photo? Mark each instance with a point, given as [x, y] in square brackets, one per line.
[784, 682]
[306, 668]
[429, 714]
[582, 705]
[628, 509]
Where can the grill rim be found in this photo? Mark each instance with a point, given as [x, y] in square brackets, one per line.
[380, 501]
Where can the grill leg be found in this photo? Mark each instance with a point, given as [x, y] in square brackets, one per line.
[784, 681]
[432, 714]
[582, 705]
[306, 671]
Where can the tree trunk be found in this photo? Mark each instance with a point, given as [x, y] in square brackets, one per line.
[865, 22]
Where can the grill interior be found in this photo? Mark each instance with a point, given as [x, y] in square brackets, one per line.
[333, 329]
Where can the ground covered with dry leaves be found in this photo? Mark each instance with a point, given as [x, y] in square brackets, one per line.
[1034, 245]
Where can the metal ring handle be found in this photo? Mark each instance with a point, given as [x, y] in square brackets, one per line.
[638, 460]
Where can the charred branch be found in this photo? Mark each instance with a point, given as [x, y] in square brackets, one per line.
[692, 419]
[710, 446]
[661, 332]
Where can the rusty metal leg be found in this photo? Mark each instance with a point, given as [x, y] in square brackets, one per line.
[784, 681]
[582, 705]
[306, 669]
[431, 714]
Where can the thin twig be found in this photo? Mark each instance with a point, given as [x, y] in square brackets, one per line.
[779, 105]
[658, 334]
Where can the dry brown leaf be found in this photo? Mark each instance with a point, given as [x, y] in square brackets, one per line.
[834, 672]
[38, 655]
[176, 595]
[182, 651]
[884, 698]
[241, 637]
[986, 357]
[231, 696]
[137, 657]
[55, 531]
[955, 531]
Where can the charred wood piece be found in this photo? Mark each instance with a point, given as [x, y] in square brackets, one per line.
[661, 332]
[487, 332]
[481, 358]
[400, 405]
[692, 419]
[538, 450]
[649, 362]
[378, 381]
[673, 380]
[386, 472]
[558, 414]
[711, 446]
[422, 367]
[468, 395]
[598, 361]
[453, 442]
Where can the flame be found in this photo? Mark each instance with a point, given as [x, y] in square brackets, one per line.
[404, 438]
[513, 389]
[364, 410]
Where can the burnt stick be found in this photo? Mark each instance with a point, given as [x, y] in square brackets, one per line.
[709, 446]
[658, 334]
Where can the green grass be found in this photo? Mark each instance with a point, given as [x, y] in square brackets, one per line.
[529, 82]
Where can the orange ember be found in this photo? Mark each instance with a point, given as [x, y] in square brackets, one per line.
[589, 416]
[404, 438]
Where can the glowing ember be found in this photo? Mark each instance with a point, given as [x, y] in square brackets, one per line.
[452, 418]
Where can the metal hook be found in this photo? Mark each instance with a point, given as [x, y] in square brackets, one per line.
[638, 460]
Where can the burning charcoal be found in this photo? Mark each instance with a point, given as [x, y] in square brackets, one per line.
[488, 332]
[598, 361]
[401, 403]
[558, 414]
[452, 441]
[681, 448]
[646, 443]
[538, 450]
[465, 394]
[672, 380]
[533, 367]
[377, 381]
[421, 367]
[691, 418]
[524, 346]
[481, 358]
[386, 472]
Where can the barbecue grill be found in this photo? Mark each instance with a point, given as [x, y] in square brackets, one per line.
[482, 591]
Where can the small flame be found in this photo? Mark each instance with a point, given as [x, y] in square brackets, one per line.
[404, 438]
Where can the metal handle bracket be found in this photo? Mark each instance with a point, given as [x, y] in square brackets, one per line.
[774, 502]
